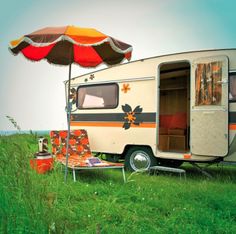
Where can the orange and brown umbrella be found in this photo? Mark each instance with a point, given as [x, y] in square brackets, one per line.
[66, 45]
[86, 47]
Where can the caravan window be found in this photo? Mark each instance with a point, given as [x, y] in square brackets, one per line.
[208, 84]
[232, 87]
[103, 96]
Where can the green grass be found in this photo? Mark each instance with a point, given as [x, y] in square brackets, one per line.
[99, 202]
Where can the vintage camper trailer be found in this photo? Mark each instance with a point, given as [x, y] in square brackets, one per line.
[161, 110]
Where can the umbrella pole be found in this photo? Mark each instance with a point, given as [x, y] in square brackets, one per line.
[68, 122]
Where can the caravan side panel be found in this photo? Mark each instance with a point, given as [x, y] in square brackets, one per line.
[132, 122]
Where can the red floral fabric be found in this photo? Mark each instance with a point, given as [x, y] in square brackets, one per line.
[78, 151]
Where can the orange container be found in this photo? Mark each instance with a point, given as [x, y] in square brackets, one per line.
[42, 164]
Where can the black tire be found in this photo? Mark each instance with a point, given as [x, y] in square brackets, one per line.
[139, 158]
[169, 162]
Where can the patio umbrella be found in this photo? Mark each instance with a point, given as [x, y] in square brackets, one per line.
[86, 47]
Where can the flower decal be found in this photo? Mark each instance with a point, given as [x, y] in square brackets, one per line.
[91, 77]
[72, 96]
[131, 116]
[125, 88]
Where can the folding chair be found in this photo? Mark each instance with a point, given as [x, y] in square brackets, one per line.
[79, 154]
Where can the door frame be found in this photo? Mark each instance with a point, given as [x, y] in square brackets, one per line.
[158, 102]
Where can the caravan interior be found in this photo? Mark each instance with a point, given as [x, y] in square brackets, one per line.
[174, 107]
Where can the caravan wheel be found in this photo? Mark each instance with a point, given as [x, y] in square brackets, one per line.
[139, 158]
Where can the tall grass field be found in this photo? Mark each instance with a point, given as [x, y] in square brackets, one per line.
[100, 202]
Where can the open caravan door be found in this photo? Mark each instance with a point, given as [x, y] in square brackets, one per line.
[209, 106]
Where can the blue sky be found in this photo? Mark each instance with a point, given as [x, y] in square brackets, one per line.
[33, 92]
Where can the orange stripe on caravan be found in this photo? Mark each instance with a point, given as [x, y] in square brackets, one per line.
[232, 127]
[111, 124]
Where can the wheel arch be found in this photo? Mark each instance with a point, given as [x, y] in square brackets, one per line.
[129, 146]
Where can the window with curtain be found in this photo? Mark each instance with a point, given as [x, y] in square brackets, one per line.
[208, 84]
[103, 96]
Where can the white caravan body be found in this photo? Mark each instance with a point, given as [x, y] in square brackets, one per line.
[179, 107]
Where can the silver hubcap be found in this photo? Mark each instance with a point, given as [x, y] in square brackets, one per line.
[139, 160]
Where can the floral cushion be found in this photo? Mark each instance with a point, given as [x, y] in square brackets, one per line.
[78, 151]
